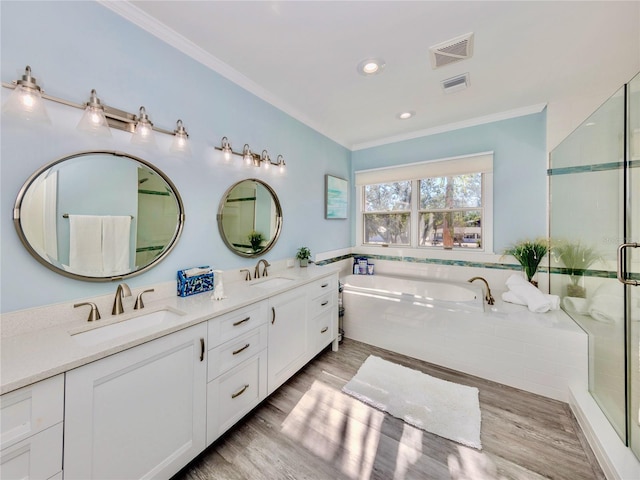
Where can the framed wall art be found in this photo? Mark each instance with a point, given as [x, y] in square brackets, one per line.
[336, 196]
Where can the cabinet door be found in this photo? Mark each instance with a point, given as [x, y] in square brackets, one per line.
[140, 413]
[287, 336]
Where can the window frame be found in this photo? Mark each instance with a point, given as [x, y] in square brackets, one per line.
[476, 163]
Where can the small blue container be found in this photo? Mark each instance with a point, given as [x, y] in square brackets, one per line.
[192, 285]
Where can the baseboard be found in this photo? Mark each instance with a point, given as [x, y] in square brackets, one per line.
[616, 460]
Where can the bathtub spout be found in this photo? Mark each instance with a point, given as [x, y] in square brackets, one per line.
[488, 297]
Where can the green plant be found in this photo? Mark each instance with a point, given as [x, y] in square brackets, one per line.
[255, 238]
[529, 254]
[303, 253]
[576, 258]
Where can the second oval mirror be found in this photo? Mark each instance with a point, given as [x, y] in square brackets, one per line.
[250, 218]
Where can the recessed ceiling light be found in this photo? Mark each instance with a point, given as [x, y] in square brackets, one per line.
[371, 66]
[405, 115]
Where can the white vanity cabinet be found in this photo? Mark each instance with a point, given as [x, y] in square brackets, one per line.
[287, 335]
[323, 314]
[31, 431]
[139, 413]
[237, 366]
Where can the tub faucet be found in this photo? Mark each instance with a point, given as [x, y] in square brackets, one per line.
[247, 276]
[123, 290]
[256, 274]
[488, 297]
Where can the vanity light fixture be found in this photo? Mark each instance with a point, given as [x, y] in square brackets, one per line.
[226, 149]
[249, 158]
[371, 66]
[180, 142]
[25, 102]
[265, 159]
[143, 133]
[93, 120]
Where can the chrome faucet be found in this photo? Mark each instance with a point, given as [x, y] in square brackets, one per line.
[123, 290]
[256, 273]
[488, 297]
[247, 276]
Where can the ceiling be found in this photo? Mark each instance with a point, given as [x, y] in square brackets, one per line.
[301, 56]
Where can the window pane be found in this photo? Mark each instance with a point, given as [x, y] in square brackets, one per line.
[451, 229]
[391, 228]
[460, 191]
[387, 197]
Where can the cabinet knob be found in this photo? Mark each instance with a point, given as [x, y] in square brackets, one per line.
[324, 329]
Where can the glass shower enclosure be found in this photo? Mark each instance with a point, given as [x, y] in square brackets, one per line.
[594, 186]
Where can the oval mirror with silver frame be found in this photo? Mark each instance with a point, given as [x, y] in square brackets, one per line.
[250, 218]
[99, 215]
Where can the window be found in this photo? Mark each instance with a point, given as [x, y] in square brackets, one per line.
[451, 211]
[444, 204]
[387, 213]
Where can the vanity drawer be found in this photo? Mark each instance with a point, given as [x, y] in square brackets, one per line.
[30, 410]
[226, 356]
[38, 457]
[233, 394]
[323, 286]
[232, 324]
[321, 332]
[322, 304]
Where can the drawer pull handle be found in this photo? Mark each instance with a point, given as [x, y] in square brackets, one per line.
[324, 285]
[201, 349]
[240, 322]
[241, 349]
[324, 303]
[324, 329]
[239, 392]
[273, 315]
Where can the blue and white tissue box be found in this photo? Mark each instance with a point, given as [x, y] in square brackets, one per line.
[195, 280]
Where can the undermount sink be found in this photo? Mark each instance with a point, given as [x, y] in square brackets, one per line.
[273, 282]
[125, 327]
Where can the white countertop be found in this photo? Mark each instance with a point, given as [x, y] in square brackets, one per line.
[33, 356]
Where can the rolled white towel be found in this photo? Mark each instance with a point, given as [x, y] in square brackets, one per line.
[576, 305]
[511, 297]
[533, 298]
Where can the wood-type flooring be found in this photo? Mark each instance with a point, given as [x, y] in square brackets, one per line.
[308, 429]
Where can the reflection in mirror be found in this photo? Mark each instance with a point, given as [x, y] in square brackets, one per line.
[99, 215]
[250, 218]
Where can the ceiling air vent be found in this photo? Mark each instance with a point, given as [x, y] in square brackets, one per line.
[452, 51]
[455, 84]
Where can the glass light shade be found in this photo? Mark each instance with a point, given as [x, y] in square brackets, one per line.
[94, 122]
[26, 104]
[143, 135]
[227, 152]
[246, 155]
[180, 144]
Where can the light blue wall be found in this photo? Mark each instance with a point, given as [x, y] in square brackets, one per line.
[520, 162]
[73, 47]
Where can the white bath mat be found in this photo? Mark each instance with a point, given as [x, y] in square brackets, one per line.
[437, 406]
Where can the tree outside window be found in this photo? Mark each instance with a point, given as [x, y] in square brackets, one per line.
[450, 211]
[387, 217]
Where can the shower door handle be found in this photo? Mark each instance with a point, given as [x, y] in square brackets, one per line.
[621, 276]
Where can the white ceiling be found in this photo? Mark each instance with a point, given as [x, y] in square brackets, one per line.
[301, 56]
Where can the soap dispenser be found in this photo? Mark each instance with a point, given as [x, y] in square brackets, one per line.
[218, 289]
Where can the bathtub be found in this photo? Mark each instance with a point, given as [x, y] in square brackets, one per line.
[449, 324]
